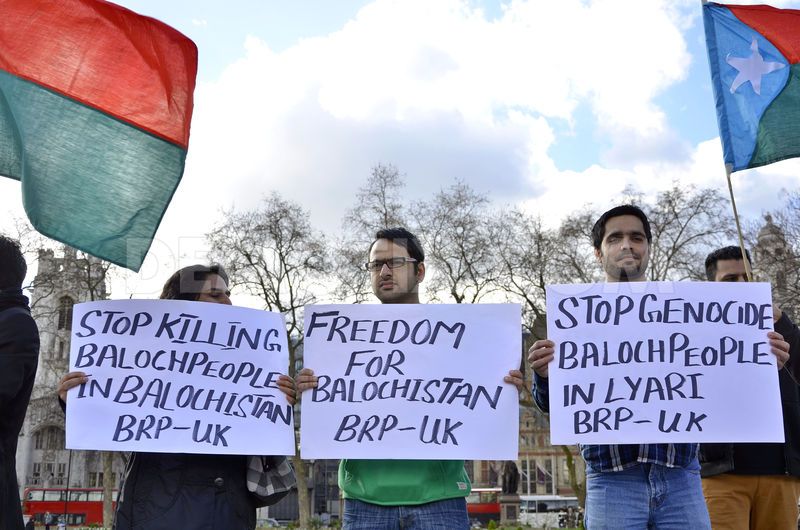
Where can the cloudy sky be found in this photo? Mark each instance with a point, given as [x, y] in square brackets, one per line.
[547, 104]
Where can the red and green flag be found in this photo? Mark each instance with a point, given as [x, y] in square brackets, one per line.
[95, 107]
[754, 54]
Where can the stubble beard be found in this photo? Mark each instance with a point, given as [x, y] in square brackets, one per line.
[634, 275]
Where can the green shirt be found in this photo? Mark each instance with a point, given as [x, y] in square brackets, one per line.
[402, 482]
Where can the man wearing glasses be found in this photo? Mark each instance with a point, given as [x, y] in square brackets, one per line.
[409, 494]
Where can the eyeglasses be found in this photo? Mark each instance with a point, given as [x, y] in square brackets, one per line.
[392, 263]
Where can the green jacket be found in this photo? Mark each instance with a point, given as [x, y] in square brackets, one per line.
[403, 482]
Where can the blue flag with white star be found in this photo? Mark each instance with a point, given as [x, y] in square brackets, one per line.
[753, 54]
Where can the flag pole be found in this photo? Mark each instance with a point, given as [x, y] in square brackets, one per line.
[747, 270]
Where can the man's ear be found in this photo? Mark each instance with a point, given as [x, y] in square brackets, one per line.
[420, 272]
[599, 255]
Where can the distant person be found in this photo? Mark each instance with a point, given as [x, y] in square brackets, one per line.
[408, 494]
[19, 354]
[751, 486]
[171, 491]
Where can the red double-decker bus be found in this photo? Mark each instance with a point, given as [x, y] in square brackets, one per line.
[483, 504]
[78, 506]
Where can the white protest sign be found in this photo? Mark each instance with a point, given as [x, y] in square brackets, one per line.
[411, 381]
[651, 362]
[179, 377]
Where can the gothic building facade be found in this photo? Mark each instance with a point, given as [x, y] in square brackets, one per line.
[775, 262]
[62, 281]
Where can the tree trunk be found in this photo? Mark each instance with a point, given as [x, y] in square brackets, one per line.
[579, 487]
[108, 488]
[303, 501]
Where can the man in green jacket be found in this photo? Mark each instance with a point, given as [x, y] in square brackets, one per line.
[408, 494]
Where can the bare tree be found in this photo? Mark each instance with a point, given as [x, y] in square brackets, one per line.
[378, 205]
[271, 252]
[687, 224]
[455, 230]
[525, 253]
[574, 259]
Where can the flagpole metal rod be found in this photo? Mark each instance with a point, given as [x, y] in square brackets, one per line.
[747, 270]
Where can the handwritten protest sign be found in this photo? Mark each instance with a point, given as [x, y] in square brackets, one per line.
[662, 362]
[174, 376]
[411, 381]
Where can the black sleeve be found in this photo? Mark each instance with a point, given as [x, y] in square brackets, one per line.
[791, 334]
[19, 352]
[541, 392]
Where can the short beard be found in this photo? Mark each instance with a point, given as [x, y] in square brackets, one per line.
[625, 277]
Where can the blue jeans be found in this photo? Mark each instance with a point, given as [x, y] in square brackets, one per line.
[646, 496]
[450, 514]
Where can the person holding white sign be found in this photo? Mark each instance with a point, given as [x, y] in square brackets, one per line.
[415, 494]
[165, 491]
[630, 486]
[756, 485]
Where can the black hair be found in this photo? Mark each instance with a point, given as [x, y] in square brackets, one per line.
[405, 239]
[12, 264]
[187, 283]
[599, 228]
[723, 253]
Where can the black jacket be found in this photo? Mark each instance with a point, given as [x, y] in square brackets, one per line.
[19, 353]
[718, 458]
[166, 491]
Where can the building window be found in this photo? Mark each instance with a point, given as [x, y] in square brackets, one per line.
[65, 304]
[49, 438]
[61, 349]
[96, 479]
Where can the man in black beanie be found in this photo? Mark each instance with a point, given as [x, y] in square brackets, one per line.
[19, 352]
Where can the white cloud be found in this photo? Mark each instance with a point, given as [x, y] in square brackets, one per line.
[756, 191]
[439, 90]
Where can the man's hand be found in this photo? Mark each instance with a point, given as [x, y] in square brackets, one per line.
[540, 355]
[286, 385]
[306, 379]
[71, 380]
[779, 347]
[515, 378]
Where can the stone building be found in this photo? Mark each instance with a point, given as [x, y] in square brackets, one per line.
[62, 280]
[774, 261]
